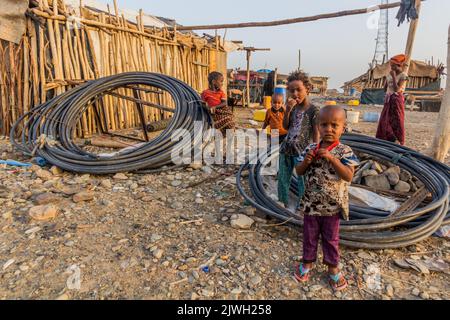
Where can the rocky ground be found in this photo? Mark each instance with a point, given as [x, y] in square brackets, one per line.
[183, 234]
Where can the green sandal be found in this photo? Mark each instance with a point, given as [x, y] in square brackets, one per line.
[301, 274]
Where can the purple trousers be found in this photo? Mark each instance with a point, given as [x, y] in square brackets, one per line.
[328, 229]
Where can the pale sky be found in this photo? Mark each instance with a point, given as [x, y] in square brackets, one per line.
[339, 48]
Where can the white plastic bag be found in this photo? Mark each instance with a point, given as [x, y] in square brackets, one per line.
[373, 200]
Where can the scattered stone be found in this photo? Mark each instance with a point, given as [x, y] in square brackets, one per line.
[106, 183]
[419, 183]
[364, 255]
[46, 198]
[415, 292]
[70, 190]
[425, 296]
[155, 237]
[44, 174]
[236, 291]
[369, 173]
[106, 202]
[195, 274]
[199, 200]
[196, 166]
[44, 212]
[8, 263]
[177, 205]
[207, 169]
[393, 178]
[7, 215]
[147, 199]
[220, 262]
[33, 230]
[120, 176]
[207, 293]
[176, 183]
[394, 169]
[242, 222]
[379, 182]
[194, 296]
[413, 186]
[83, 196]
[389, 290]
[24, 268]
[402, 187]
[63, 297]
[248, 211]
[405, 176]
[158, 253]
[255, 280]
[314, 288]
[56, 170]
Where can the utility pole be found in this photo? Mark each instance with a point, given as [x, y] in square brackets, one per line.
[441, 143]
[382, 41]
[411, 36]
[299, 60]
[249, 51]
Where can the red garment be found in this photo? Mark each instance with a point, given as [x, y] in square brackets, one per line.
[223, 117]
[213, 98]
[391, 126]
[399, 59]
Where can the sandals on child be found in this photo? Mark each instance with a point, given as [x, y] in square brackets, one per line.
[334, 280]
[301, 273]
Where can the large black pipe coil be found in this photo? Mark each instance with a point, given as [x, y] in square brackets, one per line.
[58, 117]
[369, 228]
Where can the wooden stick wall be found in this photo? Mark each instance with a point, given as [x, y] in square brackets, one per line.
[61, 51]
[413, 82]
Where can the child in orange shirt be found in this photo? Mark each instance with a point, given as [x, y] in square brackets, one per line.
[216, 100]
[275, 115]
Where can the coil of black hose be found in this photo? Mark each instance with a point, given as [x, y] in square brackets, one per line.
[57, 119]
[369, 228]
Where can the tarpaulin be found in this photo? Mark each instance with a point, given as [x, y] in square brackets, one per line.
[12, 19]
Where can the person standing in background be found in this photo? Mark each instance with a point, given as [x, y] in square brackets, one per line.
[391, 126]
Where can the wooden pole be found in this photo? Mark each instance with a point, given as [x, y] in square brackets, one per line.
[288, 21]
[275, 78]
[441, 143]
[249, 52]
[248, 77]
[411, 36]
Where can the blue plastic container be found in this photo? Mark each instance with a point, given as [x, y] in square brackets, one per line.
[280, 89]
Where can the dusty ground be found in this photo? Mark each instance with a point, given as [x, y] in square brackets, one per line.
[147, 236]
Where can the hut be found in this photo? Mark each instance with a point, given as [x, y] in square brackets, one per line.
[424, 80]
[50, 46]
[319, 84]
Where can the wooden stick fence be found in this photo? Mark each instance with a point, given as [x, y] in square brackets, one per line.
[61, 50]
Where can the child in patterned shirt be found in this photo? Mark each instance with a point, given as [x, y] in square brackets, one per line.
[328, 169]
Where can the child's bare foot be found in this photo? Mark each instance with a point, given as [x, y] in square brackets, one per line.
[302, 272]
[337, 280]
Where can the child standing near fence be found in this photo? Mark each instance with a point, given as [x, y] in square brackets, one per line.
[300, 122]
[216, 100]
[328, 168]
[274, 117]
